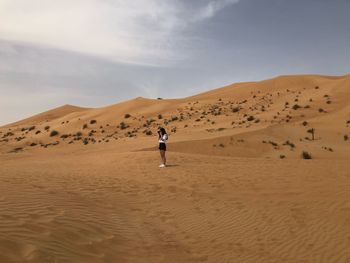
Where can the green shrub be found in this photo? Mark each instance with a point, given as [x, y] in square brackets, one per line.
[306, 155]
[54, 133]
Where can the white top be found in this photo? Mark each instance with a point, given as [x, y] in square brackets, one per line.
[163, 138]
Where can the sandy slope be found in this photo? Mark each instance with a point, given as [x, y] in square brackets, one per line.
[95, 193]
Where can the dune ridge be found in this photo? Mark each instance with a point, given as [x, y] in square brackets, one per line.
[280, 111]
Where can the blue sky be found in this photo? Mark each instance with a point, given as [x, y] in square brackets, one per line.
[97, 52]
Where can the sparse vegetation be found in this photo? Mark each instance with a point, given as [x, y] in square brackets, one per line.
[54, 133]
[127, 115]
[273, 143]
[93, 121]
[148, 132]
[296, 107]
[292, 145]
[250, 118]
[306, 155]
[122, 126]
[312, 132]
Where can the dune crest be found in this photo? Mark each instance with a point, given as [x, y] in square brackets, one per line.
[271, 118]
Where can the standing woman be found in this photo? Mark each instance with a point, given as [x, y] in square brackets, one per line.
[163, 137]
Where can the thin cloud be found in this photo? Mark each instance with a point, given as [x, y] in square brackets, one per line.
[212, 8]
[138, 31]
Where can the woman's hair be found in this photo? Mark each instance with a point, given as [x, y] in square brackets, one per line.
[162, 130]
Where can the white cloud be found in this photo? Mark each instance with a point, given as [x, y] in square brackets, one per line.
[212, 8]
[138, 31]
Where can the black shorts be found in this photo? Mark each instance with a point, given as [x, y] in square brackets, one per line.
[162, 146]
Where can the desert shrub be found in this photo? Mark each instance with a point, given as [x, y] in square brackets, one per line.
[122, 125]
[221, 145]
[127, 115]
[305, 123]
[273, 143]
[64, 136]
[47, 128]
[321, 110]
[31, 128]
[37, 132]
[306, 155]
[85, 141]
[282, 156]
[78, 134]
[174, 118]
[296, 106]
[346, 137]
[160, 116]
[148, 132]
[250, 118]
[93, 121]
[85, 126]
[236, 109]
[292, 145]
[54, 133]
[312, 132]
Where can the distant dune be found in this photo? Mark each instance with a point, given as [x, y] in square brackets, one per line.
[257, 172]
[270, 118]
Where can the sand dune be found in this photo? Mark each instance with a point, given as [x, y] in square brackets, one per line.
[83, 184]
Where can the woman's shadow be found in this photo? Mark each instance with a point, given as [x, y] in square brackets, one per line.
[172, 165]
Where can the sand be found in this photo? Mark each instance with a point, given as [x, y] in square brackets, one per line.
[234, 190]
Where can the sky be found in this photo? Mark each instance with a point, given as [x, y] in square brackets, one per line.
[94, 53]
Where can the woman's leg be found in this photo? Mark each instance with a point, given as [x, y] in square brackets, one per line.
[162, 156]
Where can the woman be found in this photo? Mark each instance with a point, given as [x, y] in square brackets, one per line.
[163, 137]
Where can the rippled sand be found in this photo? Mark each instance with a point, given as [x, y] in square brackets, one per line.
[105, 207]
